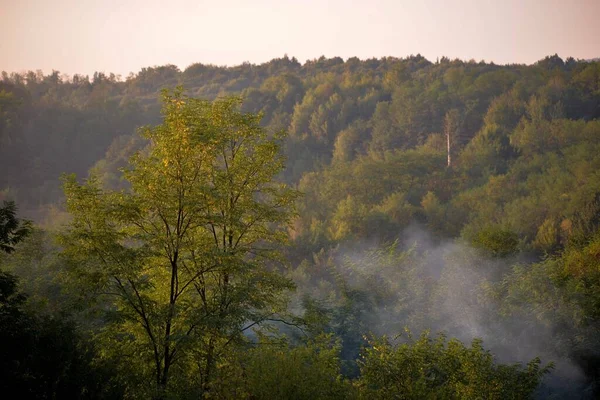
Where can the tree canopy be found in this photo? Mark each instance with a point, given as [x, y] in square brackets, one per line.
[185, 253]
[453, 196]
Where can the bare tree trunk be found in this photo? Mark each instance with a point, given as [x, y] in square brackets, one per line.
[451, 129]
[448, 140]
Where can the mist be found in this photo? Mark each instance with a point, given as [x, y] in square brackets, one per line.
[422, 283]
[505, 249]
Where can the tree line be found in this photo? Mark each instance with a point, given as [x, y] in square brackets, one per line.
[213, 256]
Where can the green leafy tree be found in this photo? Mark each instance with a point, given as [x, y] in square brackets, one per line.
[437, 368]
[8, 112]
[184, 255]
[45, 357]
[12, 230]
[41, 357]
[497, 241]
[310, 371]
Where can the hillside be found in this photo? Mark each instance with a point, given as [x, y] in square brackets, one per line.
[453, 196]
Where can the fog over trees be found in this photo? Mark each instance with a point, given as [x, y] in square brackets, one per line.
[394, 228]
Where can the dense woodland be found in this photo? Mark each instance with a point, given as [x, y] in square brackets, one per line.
[372, 229]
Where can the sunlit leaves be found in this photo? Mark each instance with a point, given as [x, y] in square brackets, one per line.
[183, 254]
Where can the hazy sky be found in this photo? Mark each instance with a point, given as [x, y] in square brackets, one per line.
[83, 36]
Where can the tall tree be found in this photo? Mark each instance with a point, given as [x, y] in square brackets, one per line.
[185, 252]
[451, 130]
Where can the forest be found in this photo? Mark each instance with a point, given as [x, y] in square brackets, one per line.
[392, 228]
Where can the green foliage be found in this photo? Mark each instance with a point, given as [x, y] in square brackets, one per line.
[177, 251]
[497, 241]
[45, 357]
[12, 230]
[428, 368]
[310, 371]
[434, 212]
[37, 264]
[560, 291]
[581, 265]
[377, 290]
[183, 255]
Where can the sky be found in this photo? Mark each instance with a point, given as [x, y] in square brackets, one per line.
[122, 36]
